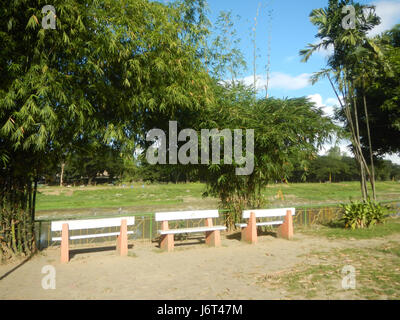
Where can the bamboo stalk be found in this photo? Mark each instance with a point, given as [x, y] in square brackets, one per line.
[13, 239]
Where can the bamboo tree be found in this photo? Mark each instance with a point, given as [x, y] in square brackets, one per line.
[286, 132]
[92, 81]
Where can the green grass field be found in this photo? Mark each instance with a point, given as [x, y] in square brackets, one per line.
[336, 230]
[141, 198]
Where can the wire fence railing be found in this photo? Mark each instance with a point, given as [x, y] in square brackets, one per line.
[145, 227]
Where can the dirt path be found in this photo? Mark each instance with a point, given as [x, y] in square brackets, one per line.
[193, 271]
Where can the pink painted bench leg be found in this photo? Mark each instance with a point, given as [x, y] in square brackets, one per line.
[249, 234]
[122, 239]
[286, 229]
[213, 238]
[166, 240]
[65, 243]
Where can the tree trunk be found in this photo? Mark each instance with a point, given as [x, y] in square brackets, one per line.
[62, 174]
[361, 156]
[372, 176]
[346, 94]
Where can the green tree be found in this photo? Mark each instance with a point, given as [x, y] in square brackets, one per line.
[100, 75]
[286, 132]
[344, 64]
[382, 91]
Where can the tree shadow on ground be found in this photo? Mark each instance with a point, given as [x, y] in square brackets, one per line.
[260, 233]
[183, 240]
[271, 233]
[17, 267]
[234, 236]
[334, 224]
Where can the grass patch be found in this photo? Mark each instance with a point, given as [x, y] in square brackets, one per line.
[136, 195]
[59, 198]
[377, 274]
[336, 230]
[319, 193]
[391, 247]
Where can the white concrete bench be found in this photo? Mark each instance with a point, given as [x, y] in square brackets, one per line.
[213, 237]
[284, 220]
[66, 225]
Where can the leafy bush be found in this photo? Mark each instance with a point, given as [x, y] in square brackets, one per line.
[363, 214]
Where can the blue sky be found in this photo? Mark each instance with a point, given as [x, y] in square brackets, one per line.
[291, 31]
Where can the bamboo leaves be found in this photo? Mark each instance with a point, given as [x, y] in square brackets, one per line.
[100, 77]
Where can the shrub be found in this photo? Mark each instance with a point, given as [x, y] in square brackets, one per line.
[364, 214]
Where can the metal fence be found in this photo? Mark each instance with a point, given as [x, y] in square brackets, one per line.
[307, 216]
[145, 227]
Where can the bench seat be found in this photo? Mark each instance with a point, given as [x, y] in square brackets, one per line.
[260, 224]
[65, 226]
[88, 236]
[211, 231]
[191, 230]
[249, 230]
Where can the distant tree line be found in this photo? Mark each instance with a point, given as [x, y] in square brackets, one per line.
[337, 167]
[107, 166]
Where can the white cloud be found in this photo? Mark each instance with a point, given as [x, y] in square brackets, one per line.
[332, 102]
[394, 158]
[279, 80]
[317, 99]
[389, 12]
[328, 106]
[325, 52]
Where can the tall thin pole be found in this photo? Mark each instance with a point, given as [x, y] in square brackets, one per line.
[255, 47]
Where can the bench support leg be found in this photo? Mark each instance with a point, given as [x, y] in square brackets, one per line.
[213, 238]
[286, 229]
[249, 234]
[122, 239]
[65, 243]
[166, 240]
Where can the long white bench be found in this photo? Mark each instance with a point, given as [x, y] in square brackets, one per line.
[213, 237]
[284, 220]
[66, 225]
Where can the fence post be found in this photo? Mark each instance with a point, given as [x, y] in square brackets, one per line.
[305, 216]
[40, 234]
[151, 227]
[48, 234]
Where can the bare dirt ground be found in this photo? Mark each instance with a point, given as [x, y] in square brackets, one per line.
[192, 271]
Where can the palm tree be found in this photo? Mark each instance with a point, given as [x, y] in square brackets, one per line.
[344, 65]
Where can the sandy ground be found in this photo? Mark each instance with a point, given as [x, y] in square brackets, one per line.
[192, 271]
